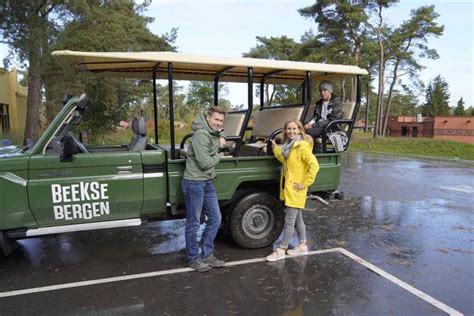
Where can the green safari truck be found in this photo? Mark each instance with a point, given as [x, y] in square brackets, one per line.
[61, 185]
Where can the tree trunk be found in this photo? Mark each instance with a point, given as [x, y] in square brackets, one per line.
[270, 100]
[378, 131]
[354, 79]
[34, 82]
[343, 90]
[380, 97]
[392, 86]
[390, 95]
[267, 97]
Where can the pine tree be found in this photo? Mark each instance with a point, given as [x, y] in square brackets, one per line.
[437, 98]
[459, 110]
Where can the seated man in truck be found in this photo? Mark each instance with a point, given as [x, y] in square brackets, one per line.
[199, 191]
[328, 108]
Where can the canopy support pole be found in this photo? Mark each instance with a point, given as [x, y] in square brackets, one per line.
[171, 108]
[216, 90]
[249, 110]
[155, 107]
[308, 81]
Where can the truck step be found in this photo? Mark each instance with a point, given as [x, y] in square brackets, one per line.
[77, 227]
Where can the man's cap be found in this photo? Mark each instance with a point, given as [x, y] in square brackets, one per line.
[325, 85]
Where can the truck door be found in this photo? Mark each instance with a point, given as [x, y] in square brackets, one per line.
[92, 187]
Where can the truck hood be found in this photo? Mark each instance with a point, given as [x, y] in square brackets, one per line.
[10, 151]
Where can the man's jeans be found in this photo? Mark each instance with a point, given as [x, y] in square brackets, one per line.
[315, 131]
[200, 195]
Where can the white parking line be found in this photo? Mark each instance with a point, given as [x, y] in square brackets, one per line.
[400, 283]
[343, 251]
[460, 188]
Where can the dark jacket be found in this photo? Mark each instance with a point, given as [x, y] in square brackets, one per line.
[334, 111]
[202, 156]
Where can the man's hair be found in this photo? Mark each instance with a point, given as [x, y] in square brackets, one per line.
[215, 109]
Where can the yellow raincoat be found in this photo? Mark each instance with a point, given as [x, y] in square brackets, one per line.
[301, 166]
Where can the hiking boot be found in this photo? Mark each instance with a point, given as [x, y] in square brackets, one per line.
[199, 265]
[301, 249]
[213, 262]
[277, 254]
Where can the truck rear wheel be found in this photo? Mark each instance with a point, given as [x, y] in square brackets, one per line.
[256, 220]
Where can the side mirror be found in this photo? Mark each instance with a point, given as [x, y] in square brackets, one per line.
[69, 148]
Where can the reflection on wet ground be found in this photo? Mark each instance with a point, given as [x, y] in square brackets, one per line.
[412, 218]
[311, 285]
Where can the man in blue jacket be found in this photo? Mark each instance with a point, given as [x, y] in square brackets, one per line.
[199, 191]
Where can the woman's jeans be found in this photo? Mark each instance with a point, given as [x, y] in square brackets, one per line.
[293, 216]
[200, 195]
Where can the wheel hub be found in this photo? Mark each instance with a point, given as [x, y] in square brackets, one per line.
[258, 221]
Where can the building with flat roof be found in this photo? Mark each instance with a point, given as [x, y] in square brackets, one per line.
[13, 100]
[454, 128]
[406, 126]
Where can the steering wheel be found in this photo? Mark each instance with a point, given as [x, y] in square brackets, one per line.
[272, 137]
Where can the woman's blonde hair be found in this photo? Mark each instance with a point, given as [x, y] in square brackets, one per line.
[304, 136]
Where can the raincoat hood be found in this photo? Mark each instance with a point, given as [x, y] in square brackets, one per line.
[201, 123]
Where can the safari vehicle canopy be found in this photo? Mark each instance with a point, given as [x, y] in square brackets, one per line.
[178, 66]
[62, 185]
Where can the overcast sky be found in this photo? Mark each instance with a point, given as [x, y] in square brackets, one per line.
[228, 28]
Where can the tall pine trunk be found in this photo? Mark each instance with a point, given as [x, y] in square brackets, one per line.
[378, 122]
[34, 81]
[390, 96]
[392, 86]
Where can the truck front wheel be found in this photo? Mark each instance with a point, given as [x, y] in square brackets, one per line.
[256, 220]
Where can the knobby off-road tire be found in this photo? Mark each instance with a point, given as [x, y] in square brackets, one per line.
[256, 219]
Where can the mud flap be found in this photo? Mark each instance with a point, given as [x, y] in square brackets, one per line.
[7, 245]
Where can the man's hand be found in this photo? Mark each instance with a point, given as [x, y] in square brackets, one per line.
[222, 142]
[308, 125]
[298, 186]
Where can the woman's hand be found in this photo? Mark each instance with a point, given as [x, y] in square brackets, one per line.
[274, 143]
[298, 186]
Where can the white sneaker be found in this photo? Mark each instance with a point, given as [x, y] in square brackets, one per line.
[298, 250]
[276, 255]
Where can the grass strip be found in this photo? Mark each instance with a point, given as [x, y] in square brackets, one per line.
[425, 147]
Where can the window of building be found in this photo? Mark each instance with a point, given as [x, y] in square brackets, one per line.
[4, 118]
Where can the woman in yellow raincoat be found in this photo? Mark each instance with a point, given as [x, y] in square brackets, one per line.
[298, 173]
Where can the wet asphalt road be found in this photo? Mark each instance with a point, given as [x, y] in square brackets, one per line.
[412, 218]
